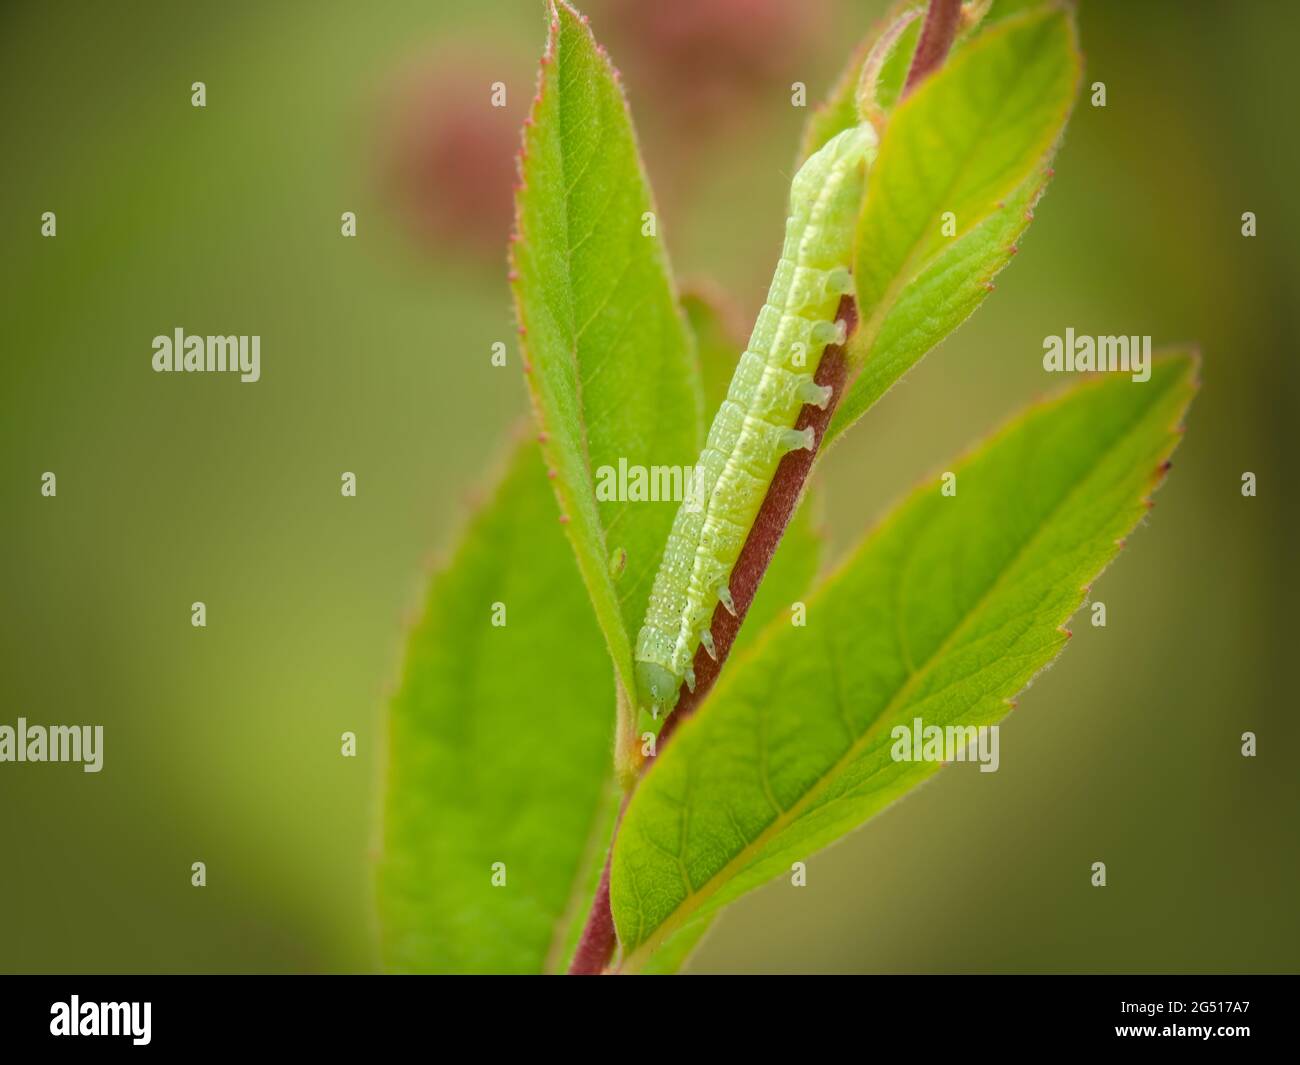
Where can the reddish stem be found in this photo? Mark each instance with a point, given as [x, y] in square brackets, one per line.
[769, 526]
[596, 947]
[599, 940]
[937, 35]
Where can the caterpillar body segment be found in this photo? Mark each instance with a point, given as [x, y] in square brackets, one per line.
[754, 427]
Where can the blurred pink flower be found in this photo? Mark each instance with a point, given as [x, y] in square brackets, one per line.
[705, 59]
[449, 154]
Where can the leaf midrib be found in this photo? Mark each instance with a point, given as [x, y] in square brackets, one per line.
[593, 569]
[741, 860]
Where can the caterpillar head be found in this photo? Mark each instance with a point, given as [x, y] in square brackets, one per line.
[656, 687]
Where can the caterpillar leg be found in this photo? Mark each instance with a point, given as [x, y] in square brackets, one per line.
[724, 597]
[794, 439]
[830, 332]
[706, 638]
[839, 282]
[690, 677]
[811, 392]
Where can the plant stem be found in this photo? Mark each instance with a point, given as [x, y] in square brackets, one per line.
[941, 19]
[596, 946]
[769, 526]
[599, 939]
[787, 486]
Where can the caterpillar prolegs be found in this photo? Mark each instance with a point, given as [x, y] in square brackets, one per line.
[754, 427]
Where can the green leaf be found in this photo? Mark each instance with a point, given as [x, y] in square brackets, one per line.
[499, 751]
[611, 366]
[889, 45]
[969, 141]
[1000, 10]
[869, 87]
[882, 85]
[939, 300]
[945, 612]
[675, 953]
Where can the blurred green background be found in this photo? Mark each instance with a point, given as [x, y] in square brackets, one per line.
[222, 744]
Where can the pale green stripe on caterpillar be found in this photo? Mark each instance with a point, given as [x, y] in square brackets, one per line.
[754, 426]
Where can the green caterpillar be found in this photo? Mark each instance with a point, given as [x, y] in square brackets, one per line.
[754, 426]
